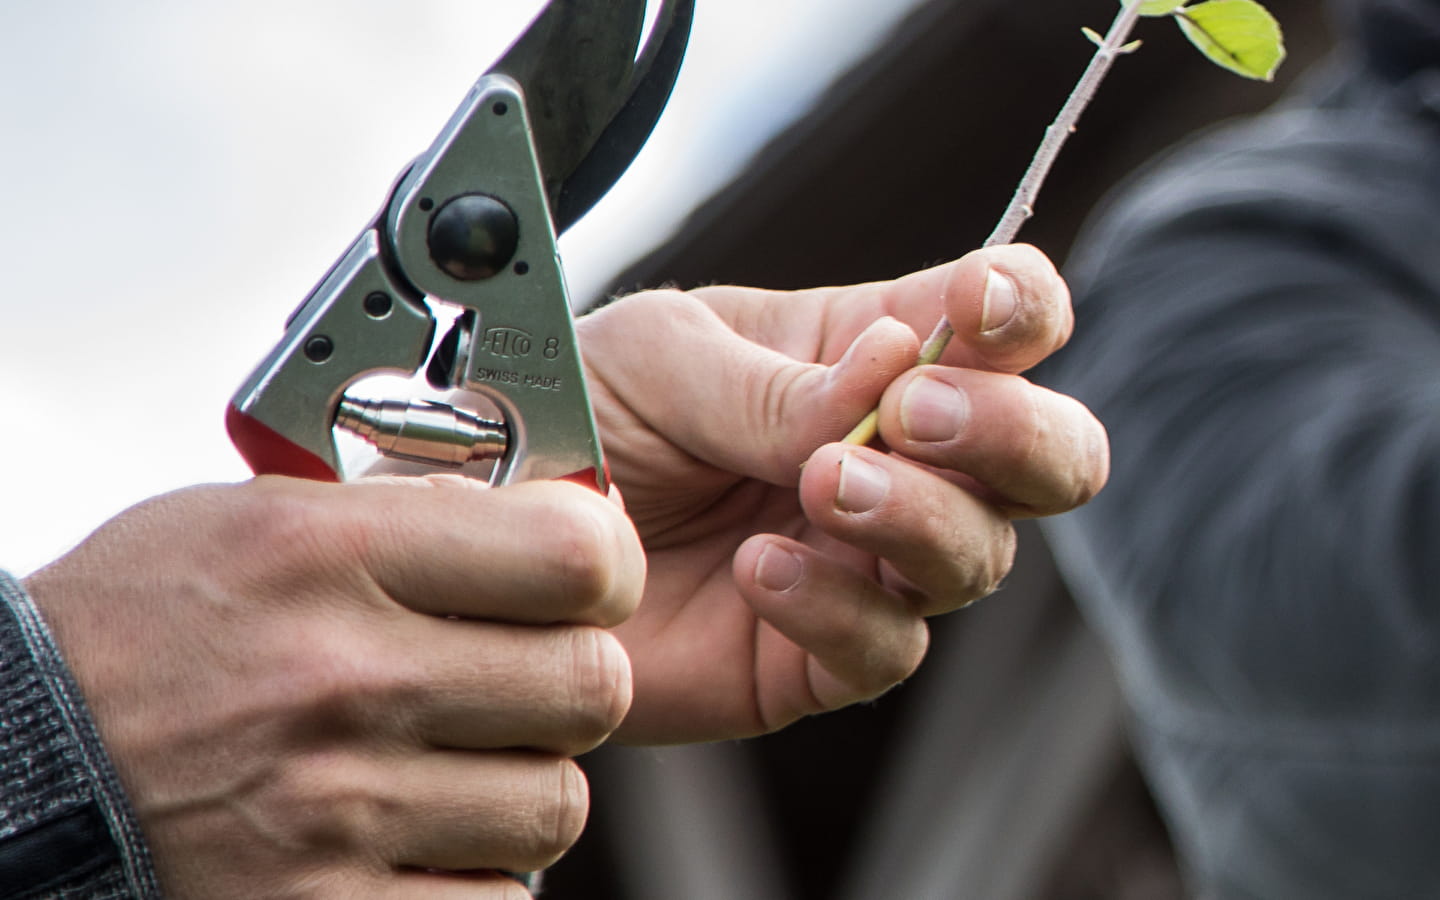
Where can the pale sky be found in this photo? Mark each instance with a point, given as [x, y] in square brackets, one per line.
[180, 172]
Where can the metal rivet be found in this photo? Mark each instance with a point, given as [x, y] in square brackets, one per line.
[378, 305]
[319, 348]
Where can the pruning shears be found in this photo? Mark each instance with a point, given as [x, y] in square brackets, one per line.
[469, 233]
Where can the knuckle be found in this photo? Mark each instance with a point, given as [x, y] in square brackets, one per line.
[707, 294]
[511, 890]
[1077, 459]
[598, 686]
[315, 884]
[665, 308]
[268, 518]
[661, 298]
[585, 553]
[1052, 454]
[1038, 421]
[290, 531]
[561, 812]
[1099, 448]
[337, 678]
[1092, 457]
[1066, 324]
[900, 660]
[1003, 562]
[592, 551]
[1002, 559]
[980, 574]
[325, 806]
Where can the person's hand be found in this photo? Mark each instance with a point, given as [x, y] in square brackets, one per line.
[360, 690]
[766, 602]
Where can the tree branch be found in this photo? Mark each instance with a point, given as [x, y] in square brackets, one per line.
[1022, 202]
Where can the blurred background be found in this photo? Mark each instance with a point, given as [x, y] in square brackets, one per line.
[180, 174]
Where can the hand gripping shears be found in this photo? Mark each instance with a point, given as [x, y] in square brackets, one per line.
[470, 227]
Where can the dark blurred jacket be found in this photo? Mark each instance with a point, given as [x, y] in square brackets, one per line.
[1258, 325]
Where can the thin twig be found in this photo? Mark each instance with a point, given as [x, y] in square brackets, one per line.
[1022, 202]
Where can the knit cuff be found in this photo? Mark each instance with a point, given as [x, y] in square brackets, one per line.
[67, 831]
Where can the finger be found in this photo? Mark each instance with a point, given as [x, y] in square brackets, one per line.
[476, 685]
[1037, 452]
[462, 811]
[536, 552]
[748, 409]
[449, 886]
[450, 810]
[860, 639]
[422, 682]
[951, 546]
[1009, 307]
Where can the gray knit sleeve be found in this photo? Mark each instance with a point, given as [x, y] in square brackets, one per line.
[67, 831]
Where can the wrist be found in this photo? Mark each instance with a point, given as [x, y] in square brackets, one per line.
[67, 825]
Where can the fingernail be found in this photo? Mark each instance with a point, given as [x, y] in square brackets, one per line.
[933, 411]
[863, 485]
[778, 570]
[1001, 300]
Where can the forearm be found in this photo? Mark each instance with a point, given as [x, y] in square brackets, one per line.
[66, 828]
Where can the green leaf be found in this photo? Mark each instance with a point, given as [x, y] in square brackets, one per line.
[1239, 35]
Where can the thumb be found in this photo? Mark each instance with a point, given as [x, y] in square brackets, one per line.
[825, 403]
[729, 401]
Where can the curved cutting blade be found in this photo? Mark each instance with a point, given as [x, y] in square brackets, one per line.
[592, 94]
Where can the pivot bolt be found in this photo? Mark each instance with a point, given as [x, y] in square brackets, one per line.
[473, 237]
